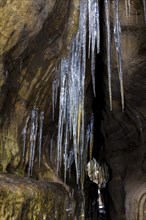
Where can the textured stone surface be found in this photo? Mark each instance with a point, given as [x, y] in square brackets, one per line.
[28, 199]
[34, 35]
[21, 21]
[37, 36]
[136, 197]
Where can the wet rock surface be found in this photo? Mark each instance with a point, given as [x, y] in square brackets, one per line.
[29, 64]
[33, 38]
[26, 198]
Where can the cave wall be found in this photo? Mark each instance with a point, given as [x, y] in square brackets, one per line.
[124, 131]
[34, 35]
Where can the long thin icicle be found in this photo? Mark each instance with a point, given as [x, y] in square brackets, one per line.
[24, 134]
[126, 8]
[117, 37]
[33, 137]
[129, 8]
[62, 110]
[55, 87]
[41, 119]
[94, 35]
[108, 46]
[65, 153]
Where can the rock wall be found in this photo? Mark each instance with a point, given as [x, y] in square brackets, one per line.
[34, 35]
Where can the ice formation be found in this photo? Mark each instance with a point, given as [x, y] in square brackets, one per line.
[108, 48]
[117, 39]
[72, 83]
[32, 135]
[71, 128]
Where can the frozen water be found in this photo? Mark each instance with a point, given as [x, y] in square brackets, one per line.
[94, 35]
[55, 87]
[24, 135]
[72, 83]
[41, 121]
[108, 48]
[33, 137]
[117, 38]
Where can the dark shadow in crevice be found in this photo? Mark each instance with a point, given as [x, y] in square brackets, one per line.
[98, 146]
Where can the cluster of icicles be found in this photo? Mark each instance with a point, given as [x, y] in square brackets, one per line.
[71, 129]
[33, 132]
[71, 125]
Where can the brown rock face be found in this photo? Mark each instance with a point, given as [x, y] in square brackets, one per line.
[21, 22]
[34, 35]
[23, 198]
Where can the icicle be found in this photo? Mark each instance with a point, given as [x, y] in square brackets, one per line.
[55, 87]
[83, 33]
[89, 139]
[117, 37]
[82, 206]
[70, 159]
[98, 27]
[126, 8]
[24, 134]
[91, 135]
[62, 109]
[41, 136]
[74, 96]
[94, 35]
[89, 24]
[129, 7]
[53, 99]
[33, 137]
[144, 7]
[108, 46]
[65, 153]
